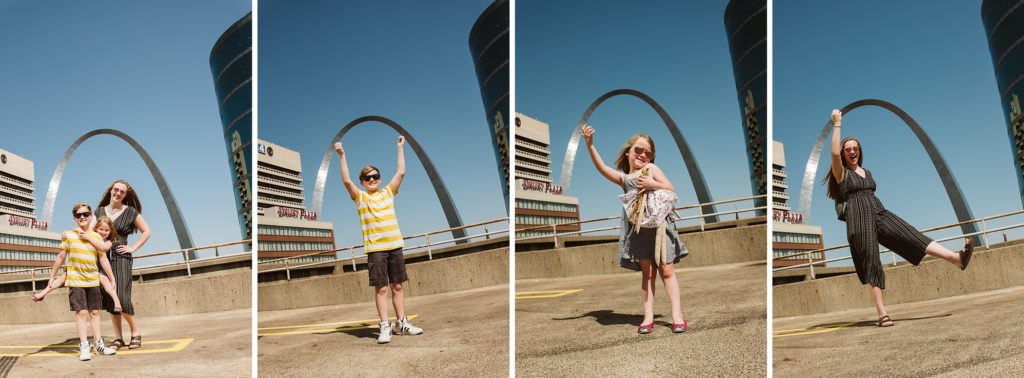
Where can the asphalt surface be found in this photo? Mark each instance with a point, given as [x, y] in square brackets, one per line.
[220, 346]
[593, 332]
[465, 334]
[971, 335]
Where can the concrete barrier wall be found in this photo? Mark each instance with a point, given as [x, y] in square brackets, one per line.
[437, 276]
[989, 270]
[218, 291]
[706, 248]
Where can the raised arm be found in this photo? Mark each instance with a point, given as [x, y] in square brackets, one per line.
[608, 172]
[655, 179]
[353, 191]
[143, 227]
[400, 169]
[837, 150]
[100, 244]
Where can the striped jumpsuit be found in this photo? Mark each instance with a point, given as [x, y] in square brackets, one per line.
[868, 223]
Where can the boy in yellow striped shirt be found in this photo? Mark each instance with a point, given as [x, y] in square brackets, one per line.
[382, 240]
[83, 279]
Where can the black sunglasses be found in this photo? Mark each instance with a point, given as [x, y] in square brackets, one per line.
[83, 215]
[375, 176]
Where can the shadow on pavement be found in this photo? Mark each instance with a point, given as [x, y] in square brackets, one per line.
[60, 347]
[874, 323]
[610, 317]
[358, 331]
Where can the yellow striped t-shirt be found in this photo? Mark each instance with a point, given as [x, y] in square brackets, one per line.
[377, 215]
[83, 260]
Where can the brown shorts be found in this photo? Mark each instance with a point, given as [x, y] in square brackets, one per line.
[386, 267]
[85, 298]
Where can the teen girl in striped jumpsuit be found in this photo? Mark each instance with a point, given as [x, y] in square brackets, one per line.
[868, 223]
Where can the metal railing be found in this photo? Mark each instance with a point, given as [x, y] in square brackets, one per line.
[984, 233]
[428, 245]
[185, 254]
[699, 217]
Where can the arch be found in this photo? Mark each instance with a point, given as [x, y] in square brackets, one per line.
[956, 196]
[451, 213]
[180, 228]
[699, 185]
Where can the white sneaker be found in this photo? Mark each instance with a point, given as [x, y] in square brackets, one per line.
[83, 352]
[103, 349]
[385, 333]
[406, 328]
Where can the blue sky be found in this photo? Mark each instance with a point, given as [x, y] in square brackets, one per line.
[931, 61]
[139, 67]
[323, 64]
[568, 55]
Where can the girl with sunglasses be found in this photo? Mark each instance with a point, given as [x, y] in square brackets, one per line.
[635, 171]
[382, 240]
[868, 223]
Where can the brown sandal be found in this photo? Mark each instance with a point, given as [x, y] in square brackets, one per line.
[965, 254]
[117, 344]
[885, 321]
[136, 342]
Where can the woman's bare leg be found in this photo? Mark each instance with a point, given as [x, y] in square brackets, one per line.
[937, 250]
[876, 298]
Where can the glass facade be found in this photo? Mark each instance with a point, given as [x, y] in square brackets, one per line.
[537, 220]
[545, 206]
[295, 231]
[489, 46]
[231, 66]
[295, 246]
[1004, 26]
[7, 254]
[746, 26]
[789, 237]
[29, 241]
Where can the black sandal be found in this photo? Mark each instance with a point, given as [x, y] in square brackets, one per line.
[136, 342]
[117, 344]
[885, 321]
[965, 254]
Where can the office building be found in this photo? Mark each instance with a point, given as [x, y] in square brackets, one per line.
[789, 233]
[489, 45]
[538, 201]
[1004, 26]
[746, 25]
[25, 242]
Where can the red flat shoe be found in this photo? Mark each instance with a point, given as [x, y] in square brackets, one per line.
[644, 329]
[680, 328]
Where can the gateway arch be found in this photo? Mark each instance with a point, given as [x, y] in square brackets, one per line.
[451, 213]
[178, 220]
[956, 196]
[696, 176]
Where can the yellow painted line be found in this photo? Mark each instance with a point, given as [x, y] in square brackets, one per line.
[177, 345]
[373, 324]
[545, 293]
[813, 330]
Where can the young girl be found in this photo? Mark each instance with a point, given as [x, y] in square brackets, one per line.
[382, 240]
[637, 172]
[105, 227]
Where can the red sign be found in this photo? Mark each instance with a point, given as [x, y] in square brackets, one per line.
[787, 217]
[541, 187]
[285, 212]
[15, 220]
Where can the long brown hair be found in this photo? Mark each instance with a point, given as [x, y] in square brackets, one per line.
[114, 236]
[622, 161]
[130, 198]
[830, 180]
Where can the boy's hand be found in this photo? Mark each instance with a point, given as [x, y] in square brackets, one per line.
[401, 141]
[338, 149]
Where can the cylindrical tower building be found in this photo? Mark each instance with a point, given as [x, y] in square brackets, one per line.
[231, 65]
[489, 46]
[1004, 26]
[746, 27]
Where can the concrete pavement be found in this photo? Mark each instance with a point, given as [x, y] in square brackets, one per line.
[210, 344]
[962, 336]
[592, 332]
[465, 334]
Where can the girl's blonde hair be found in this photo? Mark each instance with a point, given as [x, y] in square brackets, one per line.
[622, 161]
[103, 219]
